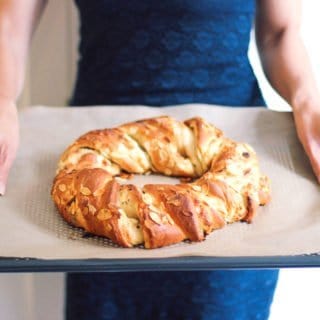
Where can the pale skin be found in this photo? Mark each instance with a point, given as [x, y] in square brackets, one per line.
[283, 56]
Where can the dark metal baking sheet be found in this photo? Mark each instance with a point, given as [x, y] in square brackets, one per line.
[11, 264]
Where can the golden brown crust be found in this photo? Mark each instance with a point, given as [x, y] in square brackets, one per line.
[229, 186]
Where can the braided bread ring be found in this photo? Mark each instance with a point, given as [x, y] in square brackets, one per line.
[225, 183]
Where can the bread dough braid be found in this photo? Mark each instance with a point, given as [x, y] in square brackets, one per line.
[225, 184]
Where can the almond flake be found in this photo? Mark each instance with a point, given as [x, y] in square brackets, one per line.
[104, 214]
[147, 198]
[92, 209]
[196, 188]
[62, 187]
[72, 207]
[85, 191]
[153, 208]
[175, 202]
[170, 220]
[155, 218]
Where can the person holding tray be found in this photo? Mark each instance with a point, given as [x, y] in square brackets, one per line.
[162, 53]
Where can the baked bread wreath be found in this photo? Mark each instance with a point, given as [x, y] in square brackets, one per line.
[220, 182]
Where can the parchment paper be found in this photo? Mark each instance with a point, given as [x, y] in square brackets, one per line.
[31, 226]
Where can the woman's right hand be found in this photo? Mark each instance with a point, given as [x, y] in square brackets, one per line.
[9, 139]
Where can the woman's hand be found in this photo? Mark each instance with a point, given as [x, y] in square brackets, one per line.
[307, 119]
[9, 139]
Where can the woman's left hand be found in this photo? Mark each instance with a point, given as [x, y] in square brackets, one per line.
[307, 121]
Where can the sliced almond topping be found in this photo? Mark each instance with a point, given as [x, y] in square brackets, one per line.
[72, 207]
[155, 218]
[104, 214]
[147, 198]
[175, 202]
[92, 209]
[187, 213]
[196, 188]
[62, 187]
[170, 220]
[198, 209]
[167, 220]
[164, 220]
[153, 208]
[85, 191]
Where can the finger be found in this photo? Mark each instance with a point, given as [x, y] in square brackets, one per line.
[3, 180]
[314, 156]
[2, 188]
[5, 164]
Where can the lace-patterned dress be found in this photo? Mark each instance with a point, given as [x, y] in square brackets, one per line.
[165, 52]
[162, 53]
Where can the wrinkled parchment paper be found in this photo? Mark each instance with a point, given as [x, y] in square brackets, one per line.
[31, 226]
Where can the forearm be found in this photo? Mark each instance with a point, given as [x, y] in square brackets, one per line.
[11, 65]
[17, 22]
[287, 67]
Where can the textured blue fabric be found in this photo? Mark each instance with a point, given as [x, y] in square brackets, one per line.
[162, 53]
[202, 295]
[165, 52]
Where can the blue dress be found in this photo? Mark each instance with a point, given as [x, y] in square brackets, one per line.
[162, 53]
[165, 52]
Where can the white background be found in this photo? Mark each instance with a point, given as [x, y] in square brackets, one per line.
[49, 80]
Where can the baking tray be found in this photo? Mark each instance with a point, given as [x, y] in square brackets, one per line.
[34, 237]
[172, 264]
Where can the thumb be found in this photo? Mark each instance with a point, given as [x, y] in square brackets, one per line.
[5, 164]
[2, 188]
[9, 140]
[3, 180]
[314, 159]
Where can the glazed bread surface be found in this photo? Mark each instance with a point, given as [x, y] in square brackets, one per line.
[221, 182]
